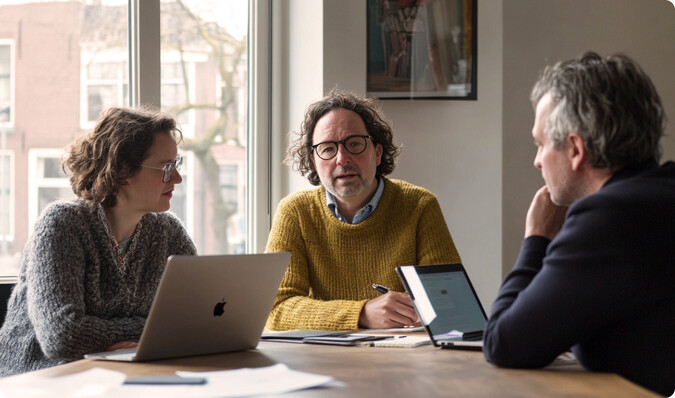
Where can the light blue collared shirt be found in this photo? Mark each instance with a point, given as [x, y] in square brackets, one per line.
[363, 212]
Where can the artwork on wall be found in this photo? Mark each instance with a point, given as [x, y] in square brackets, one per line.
[422, 49]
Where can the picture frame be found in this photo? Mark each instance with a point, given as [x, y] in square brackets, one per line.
[422, 49]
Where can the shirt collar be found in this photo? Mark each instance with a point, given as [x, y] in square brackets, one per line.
[363, 212]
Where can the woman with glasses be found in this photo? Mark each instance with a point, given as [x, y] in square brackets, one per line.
[92, 265]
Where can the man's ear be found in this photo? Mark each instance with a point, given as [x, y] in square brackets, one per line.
[576, 151]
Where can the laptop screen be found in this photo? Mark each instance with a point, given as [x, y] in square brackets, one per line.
[444, 298]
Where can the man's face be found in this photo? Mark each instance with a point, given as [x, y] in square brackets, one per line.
[555, 164]
[350, 178]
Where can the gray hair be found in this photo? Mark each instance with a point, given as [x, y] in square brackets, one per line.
[610, 102]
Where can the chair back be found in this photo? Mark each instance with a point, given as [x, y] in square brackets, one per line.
[5, 292]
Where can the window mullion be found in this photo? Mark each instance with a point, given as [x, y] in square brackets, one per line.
[144, 57]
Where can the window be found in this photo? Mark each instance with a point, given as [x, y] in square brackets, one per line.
[105, 83]
[204, 83]
[10, 265]
[6, 200]
[178, 82]
[71, 60]
[233, 189]
[182, 200]
[46, 180]
[229, 186]
[6, 84]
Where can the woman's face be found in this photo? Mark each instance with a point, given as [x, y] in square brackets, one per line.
[146, 192]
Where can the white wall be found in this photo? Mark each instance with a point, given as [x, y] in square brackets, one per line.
[297, 81]
[476, 156]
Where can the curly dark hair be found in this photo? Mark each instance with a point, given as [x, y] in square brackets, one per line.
[610, 102]
[300, 153]
[103, 160]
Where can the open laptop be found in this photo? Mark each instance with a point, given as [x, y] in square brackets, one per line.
[446, 303]
[207, 305]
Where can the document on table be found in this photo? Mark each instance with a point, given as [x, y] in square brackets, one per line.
[401, 342]
[275, 379]
[394, 330]
[105, 383]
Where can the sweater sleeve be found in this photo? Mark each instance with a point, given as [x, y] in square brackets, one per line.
[293, 308]
[434, 242]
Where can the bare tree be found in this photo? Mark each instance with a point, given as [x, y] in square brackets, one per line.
[185, 32]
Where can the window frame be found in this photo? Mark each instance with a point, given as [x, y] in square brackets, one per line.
[240, 189]
[8, 126]
[9, 237]
[260, 142]
[35, 182]
[145, 88]
[109, 57]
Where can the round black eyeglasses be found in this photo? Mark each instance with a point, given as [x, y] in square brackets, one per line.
[354, 144]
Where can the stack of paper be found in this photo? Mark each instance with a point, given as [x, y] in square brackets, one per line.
[276, 379]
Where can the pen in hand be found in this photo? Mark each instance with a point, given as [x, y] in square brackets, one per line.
[380, 288]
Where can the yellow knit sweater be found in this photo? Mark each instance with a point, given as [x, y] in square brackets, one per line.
[334, 264]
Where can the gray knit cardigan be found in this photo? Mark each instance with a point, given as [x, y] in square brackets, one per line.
[72, 298]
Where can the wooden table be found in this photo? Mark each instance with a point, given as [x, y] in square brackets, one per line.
[388, 372]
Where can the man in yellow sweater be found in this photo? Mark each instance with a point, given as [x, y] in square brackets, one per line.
[356, 228]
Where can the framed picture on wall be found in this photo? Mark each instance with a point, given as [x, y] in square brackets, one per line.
[422, 49]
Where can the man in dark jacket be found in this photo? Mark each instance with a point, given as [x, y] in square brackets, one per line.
[598, 277]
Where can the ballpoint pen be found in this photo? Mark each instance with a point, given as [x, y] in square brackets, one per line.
[380, 288]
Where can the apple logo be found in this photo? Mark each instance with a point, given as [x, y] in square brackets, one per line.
[219, 309]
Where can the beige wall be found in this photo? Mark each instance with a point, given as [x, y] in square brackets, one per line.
[453, 148]
[476, 156]
[538, 33]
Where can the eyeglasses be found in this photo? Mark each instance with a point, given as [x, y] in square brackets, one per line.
[168, 168]
[354, 144]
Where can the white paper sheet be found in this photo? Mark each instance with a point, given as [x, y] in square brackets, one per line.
[275, 379]
[94, 382]
[102, 383]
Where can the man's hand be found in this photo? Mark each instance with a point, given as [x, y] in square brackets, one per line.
[544, 218]
[122, 345]
[391, 310]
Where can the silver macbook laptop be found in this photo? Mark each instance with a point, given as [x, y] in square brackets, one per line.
[446, 303]
[207, 305]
